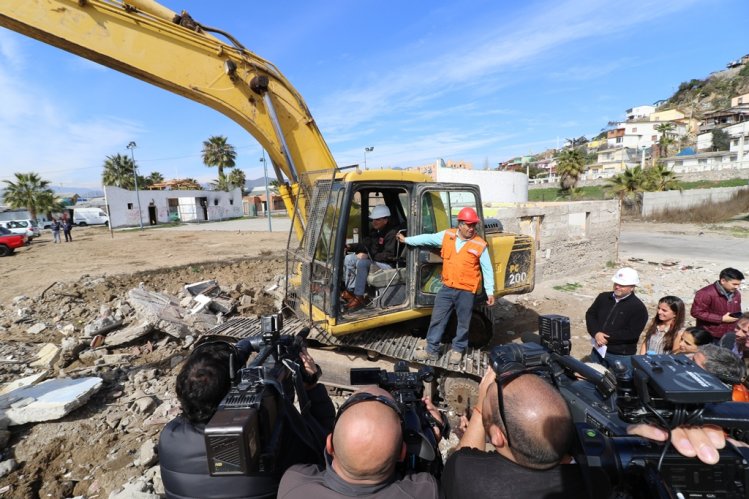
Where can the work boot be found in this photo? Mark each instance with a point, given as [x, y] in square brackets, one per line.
[424, 355]
[347, 295]
[355, 303]
[455, 357]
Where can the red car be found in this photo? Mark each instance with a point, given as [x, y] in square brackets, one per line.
[9, 241]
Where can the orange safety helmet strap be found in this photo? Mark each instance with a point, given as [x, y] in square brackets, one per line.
[468, 215]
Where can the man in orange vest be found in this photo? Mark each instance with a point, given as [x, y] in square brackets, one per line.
[464, 260]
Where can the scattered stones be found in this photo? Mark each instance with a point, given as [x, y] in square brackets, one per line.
[37, 328]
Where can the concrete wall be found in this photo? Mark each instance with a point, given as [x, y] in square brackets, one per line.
[498, 187]
[123, 205]
[571, 238]
[657, 201]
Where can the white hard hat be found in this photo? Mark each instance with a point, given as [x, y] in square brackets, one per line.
[626, 276]
[379, 211]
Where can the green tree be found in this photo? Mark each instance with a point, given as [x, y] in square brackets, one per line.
[660, 178]
[665, 140]
[153, 178]
[118, 171]
[219, 153]
[273, 186]
[721, 140]
[570, 166]
[29, 191]
[630, 184]
[237, 178]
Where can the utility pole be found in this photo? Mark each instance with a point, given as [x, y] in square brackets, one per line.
[267, 192]
[132, 145]
[366, 150]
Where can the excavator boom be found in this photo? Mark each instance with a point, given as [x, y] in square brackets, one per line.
[150, 42]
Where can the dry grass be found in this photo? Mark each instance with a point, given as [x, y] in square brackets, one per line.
[706, 212]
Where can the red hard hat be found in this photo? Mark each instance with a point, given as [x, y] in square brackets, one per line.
[468, 215]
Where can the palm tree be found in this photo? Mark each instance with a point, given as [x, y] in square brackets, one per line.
[665, 140]
[28, 191]
[217, 152]
[660, 178]
[570, 165]
[273, 186]
[155, 178]
[631, 183]
[118, 171]
[237, 178]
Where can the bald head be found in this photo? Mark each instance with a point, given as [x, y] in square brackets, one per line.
[538, 421]
[367, 440]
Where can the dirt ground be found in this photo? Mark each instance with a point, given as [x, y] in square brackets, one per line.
[109, 442]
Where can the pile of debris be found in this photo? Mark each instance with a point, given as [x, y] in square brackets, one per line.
[116, 370]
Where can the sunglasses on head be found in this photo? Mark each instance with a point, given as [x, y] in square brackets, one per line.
[366, 397]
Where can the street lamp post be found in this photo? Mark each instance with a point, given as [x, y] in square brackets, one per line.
[132, 145]
[366, 150]
[267, 192]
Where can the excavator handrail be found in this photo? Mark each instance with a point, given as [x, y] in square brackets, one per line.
[143, 39]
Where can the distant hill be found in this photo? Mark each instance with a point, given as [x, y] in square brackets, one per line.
[713, 92]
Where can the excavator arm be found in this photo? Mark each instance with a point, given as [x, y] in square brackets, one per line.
[152, 43]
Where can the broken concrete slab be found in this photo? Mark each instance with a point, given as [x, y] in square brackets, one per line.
[160, 309]
[129, 334]
[47, 356]
[209, 288]
[51, 399]
[37, 328]
[222, 305]
[21, 382]
[202, 303]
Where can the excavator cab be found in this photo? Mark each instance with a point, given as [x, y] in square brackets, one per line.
[339, 219]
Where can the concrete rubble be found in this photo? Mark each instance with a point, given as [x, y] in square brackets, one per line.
[92, 363]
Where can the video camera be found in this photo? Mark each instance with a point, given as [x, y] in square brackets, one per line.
[245, 434]
[665, 390]
[407, 388]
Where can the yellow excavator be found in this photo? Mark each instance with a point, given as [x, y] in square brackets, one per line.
[329, 205]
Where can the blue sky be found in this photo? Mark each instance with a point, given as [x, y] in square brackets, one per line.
[479, 81]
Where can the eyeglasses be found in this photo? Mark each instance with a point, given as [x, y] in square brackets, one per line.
[366, 397]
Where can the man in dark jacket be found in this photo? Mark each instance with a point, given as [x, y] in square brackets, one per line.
[714, 304]
[616, 319]
[201, 385]
[380, 248]
[361, 453]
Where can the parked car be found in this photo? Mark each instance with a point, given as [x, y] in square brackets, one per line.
[26, 227]
[10, 241]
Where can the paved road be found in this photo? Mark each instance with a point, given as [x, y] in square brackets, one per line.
[685, 248]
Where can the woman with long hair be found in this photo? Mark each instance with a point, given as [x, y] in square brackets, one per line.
[692, 339]
[663, 334]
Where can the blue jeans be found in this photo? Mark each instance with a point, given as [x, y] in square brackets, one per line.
[447, 300]
[610, 358]
[356, 271]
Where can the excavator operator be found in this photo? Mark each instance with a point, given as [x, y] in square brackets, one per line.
[379, 248]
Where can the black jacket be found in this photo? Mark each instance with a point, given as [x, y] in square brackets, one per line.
[381, 246]
[184, 462]
[623, 321]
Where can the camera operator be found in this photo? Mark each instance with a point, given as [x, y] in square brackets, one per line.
[201, 385]
[532, 431]
[724, 364]
[362, 453]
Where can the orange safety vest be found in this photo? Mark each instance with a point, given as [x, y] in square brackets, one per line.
[461, 269]
[740, 393]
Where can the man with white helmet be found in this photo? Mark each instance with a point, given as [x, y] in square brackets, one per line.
[616, 320]
[379, 247]
[466, 268]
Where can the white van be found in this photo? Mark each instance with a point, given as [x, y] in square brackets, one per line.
[89, 216]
